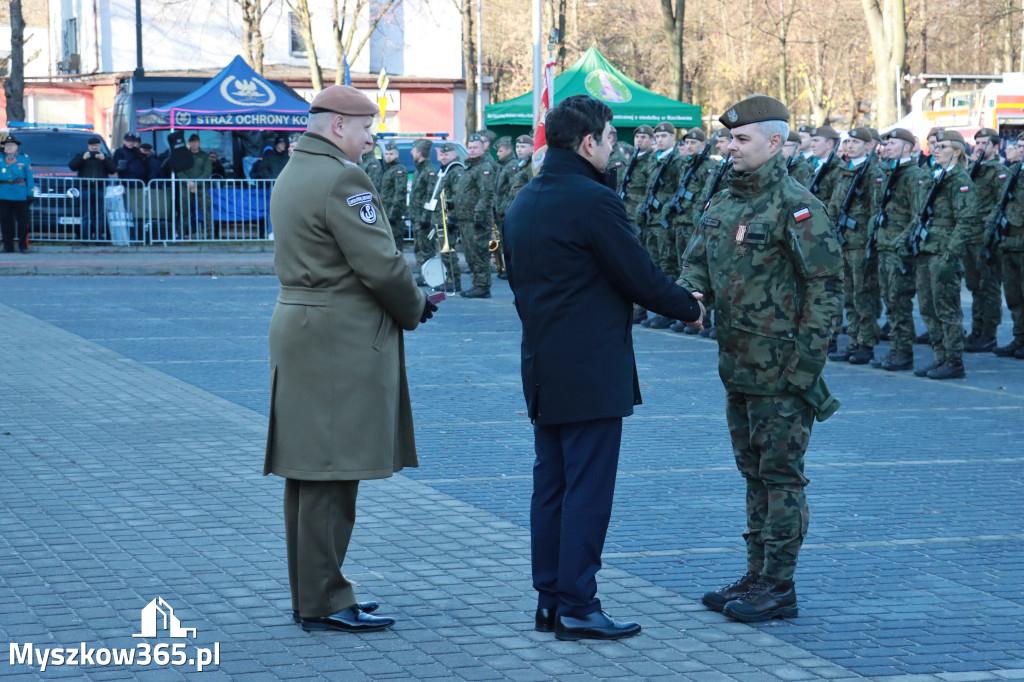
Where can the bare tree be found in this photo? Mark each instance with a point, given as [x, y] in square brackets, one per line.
[672, 25]
[345, 29]
[14, 86]
[300, 8]
[888, 29]
[469, 48]
[252, 32]
[781, 14]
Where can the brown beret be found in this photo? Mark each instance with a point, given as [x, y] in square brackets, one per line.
[345, 100]
[754, 109]
[986, 132]
[950, 136]
[644, 130]
[665, 127]
[874, 135]
[524, 139]
[725, 133]
[423, 143]
[825, 131]
[901, 134]
[934, 131]
[805, 129]
[794, 137]
[695, 134]
[862, 134]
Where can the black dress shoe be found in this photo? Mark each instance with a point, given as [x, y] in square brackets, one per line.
[544, 621]
[364, 606]
[766, 599]
[348, 620]
[593, 626]
[717, 600]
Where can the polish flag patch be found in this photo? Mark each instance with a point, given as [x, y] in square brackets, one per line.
[965, 188]
[1002, 176]
[802, 214]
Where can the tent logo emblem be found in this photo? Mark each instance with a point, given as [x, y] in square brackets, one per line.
[170, 621]
[607, 86]
[247, 93]
[182, 119]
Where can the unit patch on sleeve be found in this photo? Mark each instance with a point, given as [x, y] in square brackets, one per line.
[359, 198]
[803, 214]
[368, 214]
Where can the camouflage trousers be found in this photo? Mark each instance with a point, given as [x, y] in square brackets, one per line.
[938, 297]
[1012, 264]
[896, 277]
[860, 280]
[769, 435]
[424, 246]
[984, 281]
[478, 258]
[664, 249]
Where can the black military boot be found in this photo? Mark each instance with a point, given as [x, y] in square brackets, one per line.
[950, 369]
[843, 355]
[901, 361]
[766, 599]
[717, 600]
[833, 347]
[923, 371]
[639, 316]
[877, 362]
[692, 331]
[924, 339]
[981, 344]
[862, 355]
[477, 292]
[886, 331]
[678, 326]
[1009, 349]
[658, 322]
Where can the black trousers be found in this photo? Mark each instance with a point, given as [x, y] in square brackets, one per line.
[14, 223]
[318, 521]
[573, 486]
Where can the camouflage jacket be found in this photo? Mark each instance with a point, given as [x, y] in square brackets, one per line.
[371, 166]
[1013, 236]
[725, 167]
[451, 176]
[661, 185]
[988, 182]
[502, 179]
[954, 214]
[617, 162]
[828, 181]
[901, 206]
[394, 186]
[521, 176]
[474, 192]
[703, 174]
[863, 204]
[633, 182]
[423, 182]
[801, 169]
[767, 252]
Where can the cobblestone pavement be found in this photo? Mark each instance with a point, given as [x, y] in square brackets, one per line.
[132, 424]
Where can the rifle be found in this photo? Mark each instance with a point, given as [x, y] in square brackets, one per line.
[997, 232]
[796, 153]
[628, 175]
[683, 193]
[650, 202]
[722, 167]
[843, 220]
[925, 216]
[976, 166]
[815, 184]
[881, 218]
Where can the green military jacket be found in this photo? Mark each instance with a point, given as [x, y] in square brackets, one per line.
[633, 182]
[691, 197]
[710, 188]
[801, 169]
[423, 182]
[863, 204]
[661, 185]
[988, 182]
[394, 186]
[502, 179]
[474, 192]
[451, 176]
[1013, 230]
[954, 214]
[896, 212]
[827, 184]
[520, 173]
[767, 253]
[372, 167]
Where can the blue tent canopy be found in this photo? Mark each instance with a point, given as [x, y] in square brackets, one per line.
[235, 99]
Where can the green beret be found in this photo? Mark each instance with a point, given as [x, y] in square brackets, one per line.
[524, 139]
[644, 130]
[825, 131]
[950, 136]
[391, 145]
[754, 109]
[794, 137]
[862, 134]
[665, 127]
[423, 143]
[986, 132]
[695, 134]
[489, 134]
[900, 134]
[448, 147]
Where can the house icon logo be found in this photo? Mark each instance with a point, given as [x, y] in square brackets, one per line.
[169, 620]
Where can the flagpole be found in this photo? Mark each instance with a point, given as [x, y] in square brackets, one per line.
[538, 59]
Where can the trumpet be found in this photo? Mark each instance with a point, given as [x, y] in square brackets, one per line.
[446, 247]
[494, 246]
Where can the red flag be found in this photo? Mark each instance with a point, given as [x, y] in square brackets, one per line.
[540, 141]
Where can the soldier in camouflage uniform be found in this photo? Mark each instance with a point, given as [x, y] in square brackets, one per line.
[939, 257]
[450, 174]
[860, 279]
[652, 215]
[504, 168]
[474, 205]
[767, 251]
[981, 274]
[423, 181]
[394, 186]
[1011, 251]
[827, 164]
[520, 174]
[616, 160]
[796, 163]
[371, 164]
[898, 196]
[633, 190]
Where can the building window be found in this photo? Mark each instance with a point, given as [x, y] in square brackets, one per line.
[69, 61]
[297, 45]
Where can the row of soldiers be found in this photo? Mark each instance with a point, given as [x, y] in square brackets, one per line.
[908, 224]
[476, 193]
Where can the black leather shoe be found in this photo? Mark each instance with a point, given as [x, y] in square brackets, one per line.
[844, 354]
[678, 326]
[502, 275]
[477, 292]
[544, 621]
[348, 620]
[766, 599]
[25, 249]
[982, 344]
[717, 600]
[593, 626]
[364, 606]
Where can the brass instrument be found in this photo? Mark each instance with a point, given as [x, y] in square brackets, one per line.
[494, 246]
[446, 247]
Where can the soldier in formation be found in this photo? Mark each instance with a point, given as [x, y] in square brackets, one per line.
[652, 216]
[473, 197]
[424, 180]
[445, 189]
[394, 186]
[1006, 239]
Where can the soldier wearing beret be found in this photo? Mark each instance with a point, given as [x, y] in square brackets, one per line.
[653, 214]
[449, 178]
[853, 208]
[824, 142]
[796, 163]
[633, 190]
[394, 186]
[938, 256]
[423, 181]
[487, 137]
[768, 252]
[1011, 250]
[982, 275]
[345, 289]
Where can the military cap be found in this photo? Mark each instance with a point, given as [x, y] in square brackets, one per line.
[665, 127]
[862, 134]
[489, 134]
[950, 136]
[900, 134]
[476, 137]
[448, 147]
[391, 145]
[725, 133]
[986, 132]
[934, 131]
[505, 141]
[131, 137]
[805, 129]
[10, 138]
[825, 131]
[423, 143]
[695, 134]
[754, 109]
[96, 140]
[345, 100]
[875, 135]
[524, 139]
[644, 130]
[794, 137]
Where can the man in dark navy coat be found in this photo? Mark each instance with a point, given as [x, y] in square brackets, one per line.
[576, 269]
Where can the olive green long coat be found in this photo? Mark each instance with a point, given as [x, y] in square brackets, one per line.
[340, 407]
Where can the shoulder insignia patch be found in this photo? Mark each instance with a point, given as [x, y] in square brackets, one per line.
[368, 214]
[487, 172]
[359, 198]
[1002, 176]
[803, 214]
[965, 188]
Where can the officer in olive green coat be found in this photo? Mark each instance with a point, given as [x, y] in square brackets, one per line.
[424, 180]
[474, 205]
[1007, 242]
[394, 186]
[767, 251]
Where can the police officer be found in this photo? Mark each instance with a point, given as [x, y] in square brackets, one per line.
[16, 185]
[450, 175]
[770, 255]
[394, 186]
[981, 274]
[1011, 251]
[423, 181]
[661, 186]
[474, 203]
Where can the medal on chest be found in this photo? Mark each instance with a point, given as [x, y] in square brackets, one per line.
[741, 232]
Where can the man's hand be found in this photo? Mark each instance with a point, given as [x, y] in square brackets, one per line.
[428, 310]
[699, 322]
[86, 155]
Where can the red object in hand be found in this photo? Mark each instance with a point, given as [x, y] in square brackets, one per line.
[436, 298]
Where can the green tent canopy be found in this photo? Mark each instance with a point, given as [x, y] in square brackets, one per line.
[592, 74]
